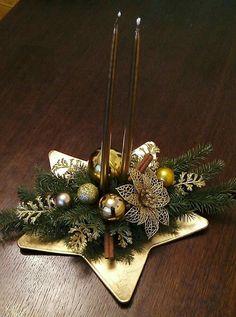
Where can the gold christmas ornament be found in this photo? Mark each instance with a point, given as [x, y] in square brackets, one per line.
[112, 207]
[148, 198]
[166, 175]
[94, 164]
[88, 193]
[63, 200]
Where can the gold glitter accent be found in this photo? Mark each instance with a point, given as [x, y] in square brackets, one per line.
[148, 197]
[88, 193]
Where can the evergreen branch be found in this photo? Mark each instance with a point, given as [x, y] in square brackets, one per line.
[210, 170]
[94, 249]
[228, 187]
[79, 214]
[10, 225]
[47, 229]
[47, 182]
[81, 176]
[214, 199]
[188, 160]
[179, 207]
[209, 203]
[71, 217]
[25, 194]
[83, 222]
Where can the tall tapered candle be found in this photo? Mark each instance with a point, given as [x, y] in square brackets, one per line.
[106, 142]
[128, 131]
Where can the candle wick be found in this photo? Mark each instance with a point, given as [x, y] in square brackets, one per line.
[117, 18]
[138, 21]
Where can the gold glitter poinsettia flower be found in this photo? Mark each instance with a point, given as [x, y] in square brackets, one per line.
[148, 197]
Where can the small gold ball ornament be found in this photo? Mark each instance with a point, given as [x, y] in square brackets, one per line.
[166, 175]
[63, 200]
[94, 164]
[88, 193]
[112, 207]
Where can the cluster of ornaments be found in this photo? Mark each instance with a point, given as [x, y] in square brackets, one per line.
[112, 206]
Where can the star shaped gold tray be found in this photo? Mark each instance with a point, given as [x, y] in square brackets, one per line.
[120, 278]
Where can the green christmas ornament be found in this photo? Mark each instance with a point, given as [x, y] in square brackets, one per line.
[88, 193]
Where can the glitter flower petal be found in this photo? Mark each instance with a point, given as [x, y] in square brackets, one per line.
[148, 197]
[164, 217]
[151, 226]
[137, 179]
[126, 190]
[133, 215]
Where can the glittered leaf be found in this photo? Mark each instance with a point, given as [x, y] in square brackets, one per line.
[126, 190]
[137, 179]
[151, 226]
[164, 216]
[133, 215]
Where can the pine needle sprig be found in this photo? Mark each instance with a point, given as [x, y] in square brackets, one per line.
[188, 160]
[10, 224]
[94, 249]
[214, 199]
[208, 203]
[81, 176]
[47, 182]
[228, 187]
[71, 217]
[179, 207]
[81, 215]
[210, 170]
[47, 229]
[25, 194]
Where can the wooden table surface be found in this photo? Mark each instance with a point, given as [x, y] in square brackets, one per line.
[53, 65]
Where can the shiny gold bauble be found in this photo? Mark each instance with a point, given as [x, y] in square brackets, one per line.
[112, 207]
[166, 175]
[88, 193]
[94, 164]
[63, 200]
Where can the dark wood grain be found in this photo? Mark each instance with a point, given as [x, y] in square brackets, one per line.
[53, 66]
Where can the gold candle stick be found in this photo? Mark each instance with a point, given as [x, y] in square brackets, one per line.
[128, 131]
[106, 142]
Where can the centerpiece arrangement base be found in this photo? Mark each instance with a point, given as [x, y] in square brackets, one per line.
[120, 278]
